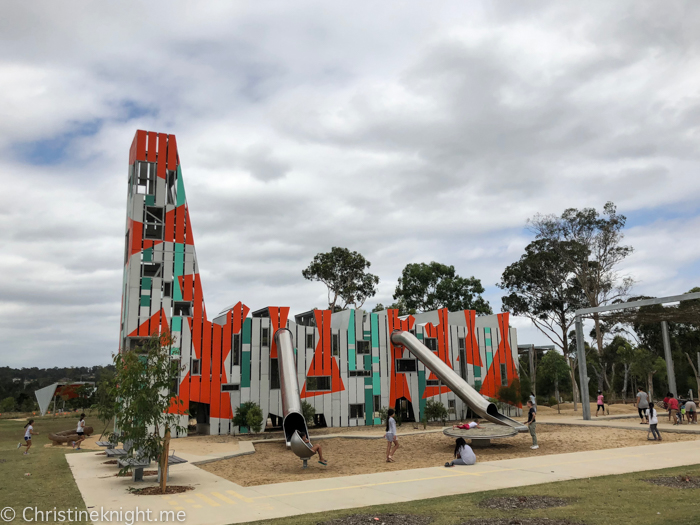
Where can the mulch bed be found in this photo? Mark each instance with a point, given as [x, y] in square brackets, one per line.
[110, 462]
[155, 491]
[145, 473]
[676, 482]
[379, 519]
[523, 502]
[101, 454]
[520, 521]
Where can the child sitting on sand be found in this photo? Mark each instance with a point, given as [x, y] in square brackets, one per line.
[467, 426]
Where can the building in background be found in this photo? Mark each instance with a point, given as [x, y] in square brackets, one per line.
[347, 367]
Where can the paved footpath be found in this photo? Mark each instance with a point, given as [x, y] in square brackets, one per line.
[216, 501]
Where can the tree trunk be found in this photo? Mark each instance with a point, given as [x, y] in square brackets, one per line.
[624, 383]
[164, 462]
[695, 371]
[650, 384]
[556, 392]
[574, 383]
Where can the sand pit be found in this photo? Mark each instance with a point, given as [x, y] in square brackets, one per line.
[272, 463]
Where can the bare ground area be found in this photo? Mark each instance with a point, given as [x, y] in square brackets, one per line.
[272, 463]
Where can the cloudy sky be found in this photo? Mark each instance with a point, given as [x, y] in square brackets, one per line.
[408, 131]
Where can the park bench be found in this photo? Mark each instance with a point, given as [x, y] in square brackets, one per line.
[172, 460]
[107, 444]
[118, 452]
[136, 464]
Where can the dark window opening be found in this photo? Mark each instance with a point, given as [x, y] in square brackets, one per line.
[229, 387]
[360, 373]
[171, 188]
[504, 375]
[167, 289]
[274, 374]
[127, 251]
[196, 368]
[265, 337]
[174, 386]
[431, 343]
[146, 178]
[461, 344]
[138, 344]
[357, 411]
[451, 407]
[362, 347]
[318, 383]
[182, 309]
[236, 350]
[377, 404]
[153, 223]
[406, 365]
[335, 344]
[151, 269]
[432, 382]
[310, 341]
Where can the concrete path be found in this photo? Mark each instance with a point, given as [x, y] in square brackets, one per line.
[625, 423]
[216, 501]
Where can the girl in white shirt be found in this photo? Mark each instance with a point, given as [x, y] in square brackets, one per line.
[390, 436]
[80, 431]
[28, 433]
[464, 455]
[653, 421]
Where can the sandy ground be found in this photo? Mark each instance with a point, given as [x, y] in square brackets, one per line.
[567, 410]
[273, 464]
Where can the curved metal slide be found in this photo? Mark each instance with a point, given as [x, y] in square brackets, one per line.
[293, 421]
[454, 381]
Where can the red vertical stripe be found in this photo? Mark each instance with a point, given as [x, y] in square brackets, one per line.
[172, 153]
[170, 226]
[151, 146]
[206, 362]
[162, 155]
[180, 224]
[140, 145]
[215, 371]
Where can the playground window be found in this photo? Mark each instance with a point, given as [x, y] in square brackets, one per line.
[310, 341]
[362, 347]
[357, 411]
[406, 365]
[451, 406]
[265, 337]
[151, 269]
[335, 344]
[377, 405]
[504, 375]
[318, 383]
[360, 373]
[172, 191]
[153, 223]
[167, 289]
[462, 344]
[274, 374]
[183, 309]
[146, 179]
[229, 387]
[196, 367]
[431, 343]
[432, 382]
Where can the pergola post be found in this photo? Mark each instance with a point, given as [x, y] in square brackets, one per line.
[582, 369]
[669, 359]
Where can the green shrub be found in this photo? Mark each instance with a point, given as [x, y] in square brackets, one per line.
[540, 400]
[240, 419]
[383, 414]
[254, 419]
[552, 401]
[435, 411]
[7, 404]
[308, 412]
[511, 393]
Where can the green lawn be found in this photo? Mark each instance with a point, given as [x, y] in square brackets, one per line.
[50, 483]
[617, 500]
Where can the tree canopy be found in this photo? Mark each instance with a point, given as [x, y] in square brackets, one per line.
[345, 275]
[424, 287]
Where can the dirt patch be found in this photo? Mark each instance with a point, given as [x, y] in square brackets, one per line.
[272, 463]
[520, 521]
[155, 491]
[523, 502]
[101, 454]
[677, 482]
[110, 462]
[380, 519]
[145, 473]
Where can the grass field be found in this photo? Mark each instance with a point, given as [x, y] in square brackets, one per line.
[618, 500]
[50, 483]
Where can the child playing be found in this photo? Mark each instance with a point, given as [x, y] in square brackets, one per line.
[390, 436]
[653, 422]
[601, 403]
[316, 449]
[467, 426]
[464, 455]
[532, 425]
[80, 431]
[28, 433]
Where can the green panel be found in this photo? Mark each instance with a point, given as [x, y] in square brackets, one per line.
[150, 200]
[247, 330]
[351, 342]
[245, 369]
[477, 385]
[367, 362]
[145, 300]
[148, 255]
[367, 336]
[180, 188]
[487, 330]
[487, 341]
[375, 359]
[146, 283]
[174, 351]
[374, 324]
[489, 359]
[369, 406]
[377, 421]
[368, 381]
[421, 391]
[376, 384]
[177, 324]
[179, 270]
[477, 371]
[419, 337]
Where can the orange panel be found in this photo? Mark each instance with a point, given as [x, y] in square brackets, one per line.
[170, 226]
[162, 155]
[206, 361]
[215, 396]
[140, 145]
[189, 239]
[180, 224]
[172, 153]
[151, 148]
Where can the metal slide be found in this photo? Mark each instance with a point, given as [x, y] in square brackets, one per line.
[453, 380]
[293, 421]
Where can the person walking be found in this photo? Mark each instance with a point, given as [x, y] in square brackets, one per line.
[464, 455]
[673, 408]
[601, 403]
[28, 433]
[80, 431]
[653, 422]
[642, 403]
[390, 436]
[532, 424]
